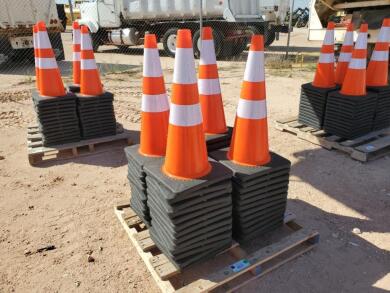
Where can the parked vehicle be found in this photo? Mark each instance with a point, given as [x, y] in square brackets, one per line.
[124, 22]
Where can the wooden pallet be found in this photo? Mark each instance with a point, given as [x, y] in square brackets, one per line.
[229, 270]
[38, 153]
[366, 148]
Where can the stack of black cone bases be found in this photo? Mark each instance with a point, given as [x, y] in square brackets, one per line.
[382, 112]
[312, 105]
[191, 219]
[96, 114]
[57, 118]
[350, 116]
[259, 195]
[218, 141]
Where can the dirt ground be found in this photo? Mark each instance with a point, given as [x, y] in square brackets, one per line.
[69, 203]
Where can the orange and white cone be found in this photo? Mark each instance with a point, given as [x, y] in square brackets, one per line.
[324, 77]
[209, 87]
[76, 53]
[355, 79]
[50, 82]
[345, 55]
[90, 83]
[155, 105]
[186, 155]
[36, 57]
[377, 71]
[249, 145]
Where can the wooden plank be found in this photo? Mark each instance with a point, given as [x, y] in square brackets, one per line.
[165, 286]
[361, 4]
[375, 145]
[286, 120]
[295, 124]
[255, 259]
[145, 242]
[372, 150]
[164, 268]
[362, 139]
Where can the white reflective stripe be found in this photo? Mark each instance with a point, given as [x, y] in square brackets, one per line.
[380, 56]
[348, 39]
[43, 40]
[76, 37]
[248, 109]
[357, 63]
[47, 63]
[86, 42]
[35, 40]
[88, 64]
[155, 103]
[345, 57]
[185, 115]
[329, 37]
[36, 59]
[207, 55]
[76, 56]
[184, 69]
[209, 86]
[384, 35]
[326, 58]
[361, 42]
[254, 70]
[152, 65]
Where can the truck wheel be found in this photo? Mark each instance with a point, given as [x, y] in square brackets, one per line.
[96, 40]
[269, 38]
[217, 42]
[169, 41]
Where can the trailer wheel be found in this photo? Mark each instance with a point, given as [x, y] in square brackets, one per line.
[169, 41]
[269, 38]
[217, 36]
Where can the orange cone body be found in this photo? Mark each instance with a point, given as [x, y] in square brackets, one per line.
[186, 155]
[76, 52]
[355, 79]
[90, 83]
[50, 82]
[249, 145]
[209, 87]
[155, 105]
[324, 77]
[377, 71]
[345, 55]
[36, 57]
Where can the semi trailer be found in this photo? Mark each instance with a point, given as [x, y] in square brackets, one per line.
[124, 22]
[16, 21]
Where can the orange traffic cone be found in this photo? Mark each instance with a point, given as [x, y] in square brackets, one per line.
[36, 57]
[355, 79]
[76, 53]
[50, 82]
[345, 55]
[90, 83]
[186, 155]
[155, 105]
[209, 87]
[249, 145]
[324, 77]
[377, 71]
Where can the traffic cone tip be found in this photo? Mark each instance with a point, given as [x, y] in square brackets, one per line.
[75, 25]
[331, 25]
[207, 33]
[257, 43]
[184, 39]
[150, 41]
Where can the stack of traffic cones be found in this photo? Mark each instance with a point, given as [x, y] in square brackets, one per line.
[260, 178]
[154, 129]
[56, 109]
[314, 95]
[189, 195]
[214, 124]
[350, 112]
[377, 77]
[95, 106]
[76, 57]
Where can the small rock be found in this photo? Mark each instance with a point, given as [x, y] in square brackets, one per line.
[100, 248]
[353, 243]
[27, 252]
[74, 184]
[335, 235]
[89, 251]
[30, 207]
[356, 231]
[2, 158]
[77, 283]
[46, 248]
[91, 258]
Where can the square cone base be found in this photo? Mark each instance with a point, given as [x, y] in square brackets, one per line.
[57, 118]
[137, 180]
[259, 195]
[74, 88]
[96, 114]
[191, 219]
[312, 105]
[218, 141]
[350, 116]
[382, 113]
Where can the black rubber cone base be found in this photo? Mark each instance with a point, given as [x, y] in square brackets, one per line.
[217, 141]
[73, 88]
[382, 112]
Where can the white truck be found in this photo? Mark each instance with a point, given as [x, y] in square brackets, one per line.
[16, 20]
[124, 22]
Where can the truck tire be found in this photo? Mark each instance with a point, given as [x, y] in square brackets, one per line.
[269, 38]
[217, 36]
[96, 41]
[169, 41]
